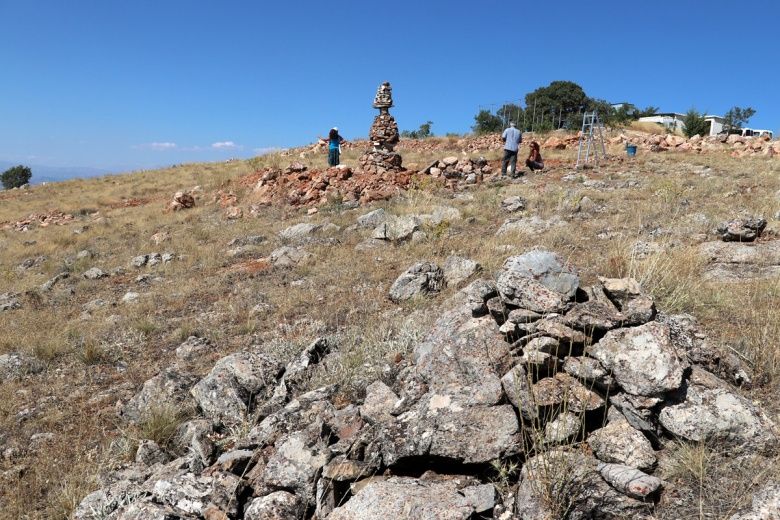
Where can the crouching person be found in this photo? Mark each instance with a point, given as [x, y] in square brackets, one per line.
[535, 161]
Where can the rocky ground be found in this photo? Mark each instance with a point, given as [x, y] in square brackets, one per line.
[280, 340]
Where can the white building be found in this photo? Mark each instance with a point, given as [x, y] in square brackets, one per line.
[671, 120]
[676, 121]
[716, 124]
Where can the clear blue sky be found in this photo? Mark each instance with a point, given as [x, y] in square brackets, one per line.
[139, 83]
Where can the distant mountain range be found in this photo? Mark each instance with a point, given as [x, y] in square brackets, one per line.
[57, 173]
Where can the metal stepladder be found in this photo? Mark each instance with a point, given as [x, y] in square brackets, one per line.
[591, 140]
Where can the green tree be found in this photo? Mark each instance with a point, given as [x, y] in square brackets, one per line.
[647, 112]
[736, 117]
[560, 103]
[485, 122]
[16, 177]
[509, 113]
[607, 114]
[695, 123]
[421, 133]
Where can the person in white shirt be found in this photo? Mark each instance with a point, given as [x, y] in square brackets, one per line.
[512, 139]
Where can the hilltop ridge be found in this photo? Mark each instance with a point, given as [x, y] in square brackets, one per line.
[176, 358]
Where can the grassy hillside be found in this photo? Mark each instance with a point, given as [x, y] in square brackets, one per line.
[95, 354]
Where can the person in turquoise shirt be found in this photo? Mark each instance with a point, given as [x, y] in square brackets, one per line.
[334, 146]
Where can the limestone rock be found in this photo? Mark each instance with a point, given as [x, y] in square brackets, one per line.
[538, 280]
[49, 284]
[373, 218]
[458, 269]
[593, 316]
[741, 229]
[299, 233]
[421, 279]
[563, 428]
[566, 484]
[9, 302]
[635, 306]
[167, 392]
[564, 392]
[295, 464]
[149, 453]
[451, 427]
[235, 382]
[456, 498]
[287, 256]
[640, 412]
[378, 404]
[642, 359]
[18, 365]
[194, 437]
[191, 494]
[397, 229]
[629, 481]
[463, 354]
[181, 200]
[279, 505]
[517, 386]
[533, 225]
[305, 410]
[619, 443]
[193, 348]
[712, 412]
[513, 204]
[689, 337]
[589, 371]
[765, 506]
[342, 469]
[94, 273]
[733, 261]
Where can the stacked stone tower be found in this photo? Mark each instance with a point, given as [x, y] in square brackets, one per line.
[383, 135]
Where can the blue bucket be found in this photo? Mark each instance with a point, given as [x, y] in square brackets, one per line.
[631, 150]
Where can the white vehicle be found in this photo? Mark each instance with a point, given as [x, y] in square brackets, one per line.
[753, 132]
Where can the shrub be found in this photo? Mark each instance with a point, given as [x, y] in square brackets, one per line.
[486, 122]
[16, 177]
[695, 124]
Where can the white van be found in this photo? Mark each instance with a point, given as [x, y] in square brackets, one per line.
[753, 132]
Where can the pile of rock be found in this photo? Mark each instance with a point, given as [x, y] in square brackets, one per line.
[427, 278]
[383, 136]
[531, 364]
[562, 141]
[737, 145]
[380, 161]
[471, 171]
[745, 229]
[314, 187]
[9, 302]
[481, 142]
[50, 218]
[151, 259]
[181, 200]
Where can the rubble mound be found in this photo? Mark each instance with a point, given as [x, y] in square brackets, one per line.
[314, 187]
[586, 385]
[53, 217]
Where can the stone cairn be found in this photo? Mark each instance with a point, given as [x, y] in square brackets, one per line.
[383, 135]
[589, 386]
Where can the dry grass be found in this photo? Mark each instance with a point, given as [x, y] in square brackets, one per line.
[650, 128]
[710, 483]
[94, 360]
